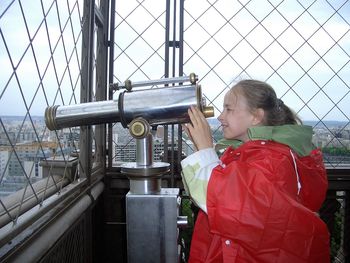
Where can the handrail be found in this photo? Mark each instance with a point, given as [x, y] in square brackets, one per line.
[12, 205]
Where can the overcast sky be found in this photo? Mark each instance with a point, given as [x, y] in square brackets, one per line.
[301, 49]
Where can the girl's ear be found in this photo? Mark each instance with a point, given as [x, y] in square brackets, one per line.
[259, 115]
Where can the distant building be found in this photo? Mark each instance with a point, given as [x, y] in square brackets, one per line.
[22, 162]
[4, 156]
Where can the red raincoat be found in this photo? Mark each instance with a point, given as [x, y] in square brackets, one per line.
[255, 213]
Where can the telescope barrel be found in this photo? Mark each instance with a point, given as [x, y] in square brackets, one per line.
[58, 117]
[158, 106]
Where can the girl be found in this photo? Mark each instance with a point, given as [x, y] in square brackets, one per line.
[259, 200]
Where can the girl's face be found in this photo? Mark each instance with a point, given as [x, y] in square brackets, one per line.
[236, 118]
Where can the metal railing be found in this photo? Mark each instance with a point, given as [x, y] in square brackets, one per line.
[52, 52]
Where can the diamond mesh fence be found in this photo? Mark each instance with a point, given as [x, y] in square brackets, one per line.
[40, 54]
[301, 48]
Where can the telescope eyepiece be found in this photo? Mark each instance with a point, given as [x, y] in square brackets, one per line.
[208, 111]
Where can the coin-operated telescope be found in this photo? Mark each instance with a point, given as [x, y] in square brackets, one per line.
[151, 211]
[165, 105]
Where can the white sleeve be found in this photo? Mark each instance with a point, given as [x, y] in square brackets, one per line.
[196, 172]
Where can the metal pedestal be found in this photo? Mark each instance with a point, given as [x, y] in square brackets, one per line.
[152, 229]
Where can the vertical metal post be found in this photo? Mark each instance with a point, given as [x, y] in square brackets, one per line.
[176, 59]
[181, 37]
[167, 32]
[174, 39]
[346, 240]
[85, 143]
[110, 80]
[181, 61]
[144, 150]
[166, 70]
[173, 45]
[87, 85]
[101, 78]
[172, 159]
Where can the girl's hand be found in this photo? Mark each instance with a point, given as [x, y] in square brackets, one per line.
[198, 130]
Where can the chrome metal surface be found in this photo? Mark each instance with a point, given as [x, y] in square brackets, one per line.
[192, 78]
[152, 234]
[157, 106]
[145, 179]
[58, 117]
[182, 221]
[145, 186]
[161, 106]
[144, 151]
[156, 169]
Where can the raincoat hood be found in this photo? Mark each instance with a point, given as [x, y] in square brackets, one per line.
[297, 137]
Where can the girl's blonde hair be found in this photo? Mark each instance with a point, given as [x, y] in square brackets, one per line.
[259, 94]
